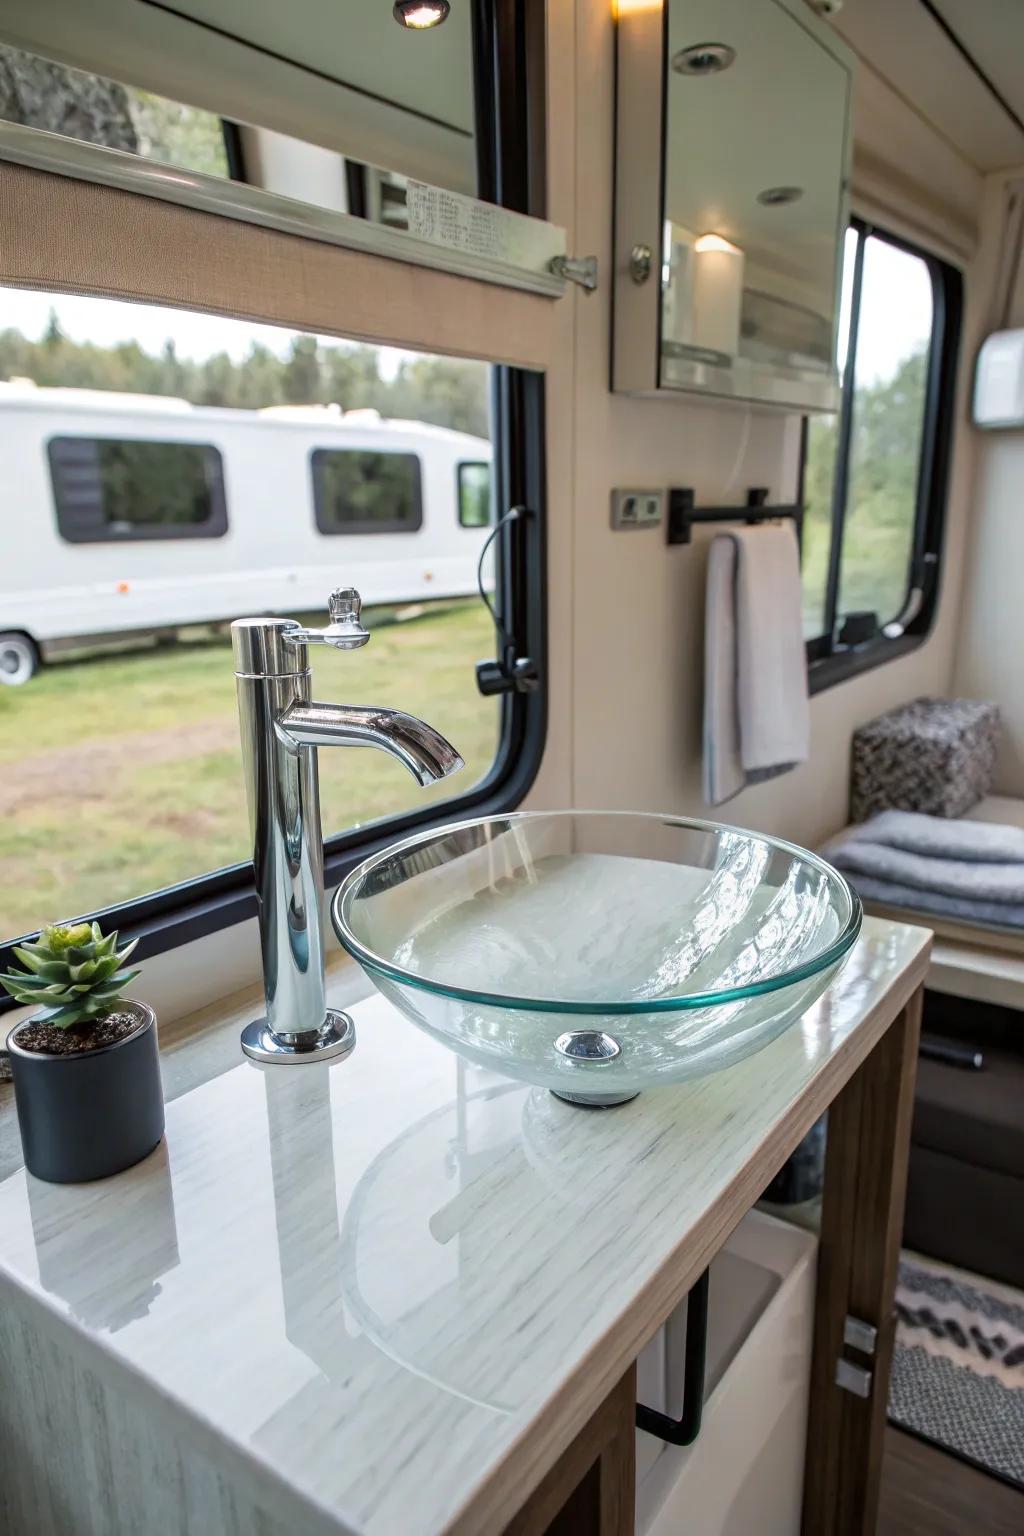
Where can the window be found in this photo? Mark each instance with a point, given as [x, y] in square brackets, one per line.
[474, 495]
[875, 475]
[43, 94]
[366, 491]
[121, 772]
[107, 489]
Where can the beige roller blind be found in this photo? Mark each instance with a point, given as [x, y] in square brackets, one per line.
[61, 234]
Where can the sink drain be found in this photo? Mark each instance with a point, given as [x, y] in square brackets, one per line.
[588, 1045]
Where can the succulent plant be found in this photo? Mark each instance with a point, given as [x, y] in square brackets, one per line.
[72, 971]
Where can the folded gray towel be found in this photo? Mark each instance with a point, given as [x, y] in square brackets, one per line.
[964, 878]
[984, 842]
[990, 914]
[972, 870]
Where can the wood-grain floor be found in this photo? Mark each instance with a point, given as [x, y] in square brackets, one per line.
[927, 1493]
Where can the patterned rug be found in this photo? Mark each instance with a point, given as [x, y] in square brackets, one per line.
[958, 1366]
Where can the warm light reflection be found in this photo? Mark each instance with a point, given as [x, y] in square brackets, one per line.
[715, 243]
[622, 8]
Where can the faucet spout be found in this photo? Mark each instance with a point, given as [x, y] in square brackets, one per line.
[421, 749]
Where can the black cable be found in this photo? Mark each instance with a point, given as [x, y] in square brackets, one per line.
[508, 517]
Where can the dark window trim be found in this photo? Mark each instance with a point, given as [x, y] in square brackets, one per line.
[360, 525]
[829, 663]
[472, 464]
[215, 526]
[234, 150]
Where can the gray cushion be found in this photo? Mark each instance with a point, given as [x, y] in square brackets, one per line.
[936, 756]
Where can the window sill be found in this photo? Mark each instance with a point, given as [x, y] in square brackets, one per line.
[840, 666]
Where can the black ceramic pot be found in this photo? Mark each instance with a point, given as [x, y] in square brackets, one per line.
[92, 1113]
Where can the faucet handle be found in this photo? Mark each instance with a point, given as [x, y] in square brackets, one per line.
[346, 627]
[345, 606]
[345, 631]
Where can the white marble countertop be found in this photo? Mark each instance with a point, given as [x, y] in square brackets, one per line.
[389, 1292]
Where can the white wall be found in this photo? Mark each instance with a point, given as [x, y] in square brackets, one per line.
[991, 642]
[629, 663]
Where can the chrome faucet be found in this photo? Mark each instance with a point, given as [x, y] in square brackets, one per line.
[281, 731]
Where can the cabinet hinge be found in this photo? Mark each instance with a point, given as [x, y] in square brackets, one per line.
[581, 270]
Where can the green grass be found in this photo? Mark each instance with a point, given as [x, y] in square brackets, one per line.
[121, 774]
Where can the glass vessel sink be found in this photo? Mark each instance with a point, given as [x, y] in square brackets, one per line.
[598, 953]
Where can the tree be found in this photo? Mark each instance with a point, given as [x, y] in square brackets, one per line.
[881, 499]
[450, 392]
[302, 384]
[177, 134]
[172, 376]
[41, 94]
[53, 335]
[217, 380]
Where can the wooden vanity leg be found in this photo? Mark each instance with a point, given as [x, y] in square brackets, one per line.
[861, 1226]
[591, 1489]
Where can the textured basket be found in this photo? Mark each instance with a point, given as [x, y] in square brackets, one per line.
[934, 755]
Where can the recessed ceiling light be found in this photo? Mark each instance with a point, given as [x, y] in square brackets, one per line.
[703, 59]
[777, 197]
[420, 15]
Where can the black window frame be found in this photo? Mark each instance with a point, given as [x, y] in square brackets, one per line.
[473, 464]
[828, 661]
[359, 526]
[61, 451]
[511, 154]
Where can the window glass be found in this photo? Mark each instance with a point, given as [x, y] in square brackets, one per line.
[110, 488]
[43, 94]
[819, 471]
[366, 491]
[474, 495]
[885, 338]
[889, 388]
[120, 769]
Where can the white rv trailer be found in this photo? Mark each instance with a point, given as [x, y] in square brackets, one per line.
[129, 514]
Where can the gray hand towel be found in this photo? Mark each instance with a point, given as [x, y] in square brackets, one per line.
[756, 714]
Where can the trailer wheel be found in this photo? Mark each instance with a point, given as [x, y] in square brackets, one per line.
[19, 659]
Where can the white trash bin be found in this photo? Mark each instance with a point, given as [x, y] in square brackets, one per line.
[744, 1472]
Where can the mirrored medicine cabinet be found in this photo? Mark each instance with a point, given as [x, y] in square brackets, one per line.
[732, 154]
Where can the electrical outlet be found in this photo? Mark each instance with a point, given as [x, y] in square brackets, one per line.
[637, 509]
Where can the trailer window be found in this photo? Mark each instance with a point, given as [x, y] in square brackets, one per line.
[875, 474]
[107, 489]
[359, 490]
[474, 495]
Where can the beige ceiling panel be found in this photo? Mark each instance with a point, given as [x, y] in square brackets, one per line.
[359, 43]
[904, 168]
[906, 46]
[992, 31]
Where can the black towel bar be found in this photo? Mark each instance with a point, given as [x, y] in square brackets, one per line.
[685, 1429]
[683, 512]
